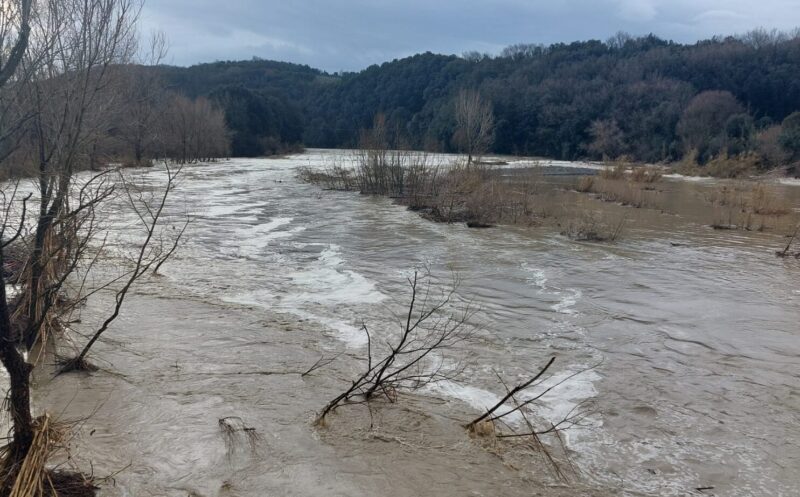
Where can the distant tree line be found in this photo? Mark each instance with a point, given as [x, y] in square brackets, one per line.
[641, 97]
[133, 122]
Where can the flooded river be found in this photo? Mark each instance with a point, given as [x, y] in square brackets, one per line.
[686, 340]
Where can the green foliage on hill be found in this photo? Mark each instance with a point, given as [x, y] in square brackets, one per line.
[647, 98]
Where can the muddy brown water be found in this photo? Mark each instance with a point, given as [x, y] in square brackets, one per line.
[685, 340]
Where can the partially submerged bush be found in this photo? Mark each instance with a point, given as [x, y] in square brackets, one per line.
[417, 357]
[724, 166]
[591, 228]
[646, 174]
[236, 433]
[617, 171]
[32, 478]
[457, 193]
[518, 402]
[746, 205]
[334, 177]
[767, 202]
[585, 184]
[622, 191]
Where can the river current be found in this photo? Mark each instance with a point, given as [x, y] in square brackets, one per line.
[685, 340]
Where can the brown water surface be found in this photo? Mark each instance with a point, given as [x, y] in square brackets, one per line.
[688, 337]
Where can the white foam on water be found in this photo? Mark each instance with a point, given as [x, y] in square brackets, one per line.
[326, 282]
[569, 299]
[250, 241]
[689, 178]
[481, 400]
[228, 209]
[552, 163]
[569, 389]
[568, 392]
[538, 276]
[352, 336]
[323, 285]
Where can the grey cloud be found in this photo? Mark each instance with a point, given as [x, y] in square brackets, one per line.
[352, 34]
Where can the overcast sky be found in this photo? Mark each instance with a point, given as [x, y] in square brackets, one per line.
[337, 35]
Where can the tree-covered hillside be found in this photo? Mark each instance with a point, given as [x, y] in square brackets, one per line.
[647, 98]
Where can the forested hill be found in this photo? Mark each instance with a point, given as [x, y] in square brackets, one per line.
[645, 97]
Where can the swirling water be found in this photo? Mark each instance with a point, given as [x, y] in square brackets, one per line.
[688, 353]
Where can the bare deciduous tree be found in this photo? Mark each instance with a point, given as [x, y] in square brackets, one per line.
[608, 141]
[193, 130]
[64, 103]
[152, 251]
[474, 132]
[143, 105]
[15, 18]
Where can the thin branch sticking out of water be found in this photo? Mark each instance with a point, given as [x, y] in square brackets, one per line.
[414, 361]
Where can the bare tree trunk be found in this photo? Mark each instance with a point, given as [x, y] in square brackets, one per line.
[474, 124]
[19, 401]
[19, 377]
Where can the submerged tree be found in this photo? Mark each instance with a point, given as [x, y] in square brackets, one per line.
[16, 19]
[144, 98]
[474, 120]
[193, 130]
[64, 103]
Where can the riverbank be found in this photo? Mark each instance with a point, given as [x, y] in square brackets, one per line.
[533, 193]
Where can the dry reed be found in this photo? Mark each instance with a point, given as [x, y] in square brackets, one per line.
[32, 478]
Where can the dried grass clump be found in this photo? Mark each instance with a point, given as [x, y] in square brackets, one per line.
[476, 195]
[615, 172]
[615, 185]
[585, 184]
[746, 205]
[646, 174]
[484, 429]
[766, 201]
[335, 177]
[592, 228]
[725, 166]
[625, 193]
[32, 478]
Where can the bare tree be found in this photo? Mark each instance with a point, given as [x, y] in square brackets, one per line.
[151, 253]
[383, 160]
[144, 100]
[608, 141]
[474, 131]
[193, 130]
[15, 30]
[15, 18]
[65, 50]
